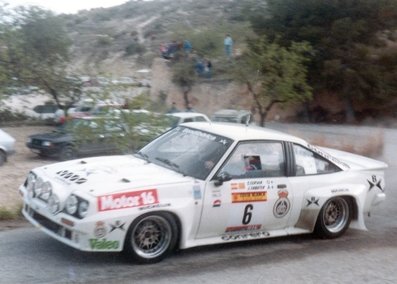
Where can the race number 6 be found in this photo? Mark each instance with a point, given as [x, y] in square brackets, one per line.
[247, 214]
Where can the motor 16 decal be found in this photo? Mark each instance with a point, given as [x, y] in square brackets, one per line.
[127, 200]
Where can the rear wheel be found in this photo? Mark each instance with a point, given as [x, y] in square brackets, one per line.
[334, 218]
[151, 237]
[67, 153]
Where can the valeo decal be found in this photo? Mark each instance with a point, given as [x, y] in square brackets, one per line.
[103, 244]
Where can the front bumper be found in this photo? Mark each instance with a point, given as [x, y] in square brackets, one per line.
[79, 234]
[49, 151]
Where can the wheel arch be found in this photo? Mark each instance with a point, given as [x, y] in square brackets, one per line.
[308, 218]
[173, 215]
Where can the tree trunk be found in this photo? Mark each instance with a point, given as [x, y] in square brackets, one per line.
[349, 110]
[262, 118]
[186, 90]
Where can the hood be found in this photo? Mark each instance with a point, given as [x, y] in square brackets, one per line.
[51, 136]
[105, 175]
[354, 161]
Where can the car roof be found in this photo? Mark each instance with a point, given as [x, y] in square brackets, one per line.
[231, 112]
[187, 114]
[242, 132]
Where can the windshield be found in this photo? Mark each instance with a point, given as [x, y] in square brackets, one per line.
[188, 151]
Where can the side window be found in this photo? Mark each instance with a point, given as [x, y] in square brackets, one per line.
[199, 118]
[256, 159]
[310, 163]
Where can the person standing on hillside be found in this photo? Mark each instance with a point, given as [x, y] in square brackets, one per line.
[228, 43]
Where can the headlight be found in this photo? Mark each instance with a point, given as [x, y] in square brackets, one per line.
[71, 204]
[46, 191]
[29, 140]
[30, 182]
[83, 209]
[37, 186]
[53, 204]
[76, 206]
[47, 143]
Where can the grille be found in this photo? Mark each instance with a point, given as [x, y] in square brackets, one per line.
[50, 225]
[36, 142]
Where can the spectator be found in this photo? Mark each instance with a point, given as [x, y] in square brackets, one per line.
[199, 67]
[208, 69]
[228, 43]
[187, 46]
[173, 108]
[189, 108]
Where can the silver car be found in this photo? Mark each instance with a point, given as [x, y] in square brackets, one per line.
[7, 146]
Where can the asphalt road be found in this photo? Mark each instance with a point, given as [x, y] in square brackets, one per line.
[29, 256]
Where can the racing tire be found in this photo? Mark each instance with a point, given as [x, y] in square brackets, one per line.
[151, 237]
[334, 218]
[3, 158]
[67, 153]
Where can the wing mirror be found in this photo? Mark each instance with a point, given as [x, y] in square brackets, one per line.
[221, 178]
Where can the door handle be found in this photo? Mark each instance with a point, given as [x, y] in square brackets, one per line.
[281, 186]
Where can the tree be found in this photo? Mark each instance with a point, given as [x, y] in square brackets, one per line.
[345, 36]
[35, 52]
[274, 74]
[184, 76]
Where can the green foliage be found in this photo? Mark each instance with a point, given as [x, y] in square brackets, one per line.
[6, 116]
[208, 42]
[183, 73]
[7, 214]
[134, 48]
[274, 74]
[128, 129]
[104, 40]
[345, 36]
[36, 53]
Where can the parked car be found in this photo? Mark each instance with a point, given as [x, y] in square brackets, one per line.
[78, 137]
[202, 184]
[232, 115]
[7, 146]
[49, 112]
[183, 117]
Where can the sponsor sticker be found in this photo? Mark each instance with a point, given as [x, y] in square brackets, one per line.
[196, 191]
[237, 185]
[103, 244]
[282, 205]
[250, 235]
[117, 226]
[127, 200]
[243, 228]
[100, 229]
[217, 203]
[257, 196]
[155, 206]
[312, 200]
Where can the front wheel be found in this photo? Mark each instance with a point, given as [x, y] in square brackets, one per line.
[151, 237]
[67, 153]
[334, 218]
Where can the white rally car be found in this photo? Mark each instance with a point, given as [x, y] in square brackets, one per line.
[201, 184]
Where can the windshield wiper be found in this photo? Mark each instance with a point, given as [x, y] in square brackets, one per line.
[143, 155]
[173, 166]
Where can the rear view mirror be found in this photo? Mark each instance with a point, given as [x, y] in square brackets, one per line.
[221, 178]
